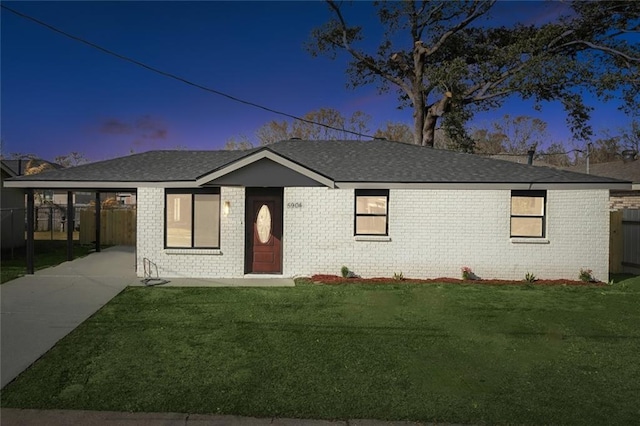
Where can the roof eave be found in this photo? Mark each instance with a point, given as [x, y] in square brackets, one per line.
[487, 185]
[97, 185]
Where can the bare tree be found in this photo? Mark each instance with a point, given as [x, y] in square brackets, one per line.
[238, 144]
[398, 132]
[321, 124]
[71, 159]
[631, 136]
[556, 154]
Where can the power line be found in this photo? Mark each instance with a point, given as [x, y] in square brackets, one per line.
[537, 153]
[173, 76]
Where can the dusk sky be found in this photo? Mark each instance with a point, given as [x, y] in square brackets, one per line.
[59, 95]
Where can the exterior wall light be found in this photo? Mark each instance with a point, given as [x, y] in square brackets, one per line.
[226, 208]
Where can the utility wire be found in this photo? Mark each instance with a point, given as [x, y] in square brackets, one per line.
[537, 153]
[173, 76]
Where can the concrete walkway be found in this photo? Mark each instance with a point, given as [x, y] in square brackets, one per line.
[38, 310]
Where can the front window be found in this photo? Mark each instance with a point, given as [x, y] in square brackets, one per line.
[372, 212]
[528, 213]
[192, 218]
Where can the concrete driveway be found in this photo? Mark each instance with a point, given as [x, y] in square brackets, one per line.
[38, 310]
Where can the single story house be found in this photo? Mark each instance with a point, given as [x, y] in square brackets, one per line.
[378, 207]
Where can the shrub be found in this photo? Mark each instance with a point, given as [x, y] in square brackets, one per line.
[585, 275]
[344, 271]
[529, 277]
[398, 276]
[467, 273]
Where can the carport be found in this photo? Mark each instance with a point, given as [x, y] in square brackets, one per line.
[32, 183]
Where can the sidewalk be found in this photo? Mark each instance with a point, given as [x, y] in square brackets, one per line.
[17, 417]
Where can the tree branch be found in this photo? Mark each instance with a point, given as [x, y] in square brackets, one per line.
[478, 10]
[359, 56]
[606, 49]
[427, 20]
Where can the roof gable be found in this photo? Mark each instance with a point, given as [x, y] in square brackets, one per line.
[7, 171]
[265, 172]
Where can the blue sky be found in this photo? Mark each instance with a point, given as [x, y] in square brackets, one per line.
[58, 95]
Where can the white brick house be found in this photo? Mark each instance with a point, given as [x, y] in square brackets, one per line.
[309, 207]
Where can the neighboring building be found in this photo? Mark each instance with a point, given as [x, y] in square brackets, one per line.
[628, 170]
[627, 203]
[12, 212]
[308, 207]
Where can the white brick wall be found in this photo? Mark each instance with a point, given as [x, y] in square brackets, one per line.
[432, 234]
[228, 262]
[436, 232]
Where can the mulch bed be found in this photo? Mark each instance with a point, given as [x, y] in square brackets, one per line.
[335, 279]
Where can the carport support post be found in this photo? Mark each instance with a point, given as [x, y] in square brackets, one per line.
[70, 225]
[98, 225]
[30, 226]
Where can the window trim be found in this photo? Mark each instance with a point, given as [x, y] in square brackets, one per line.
[532, 194]
[370, 193]
[192, 192]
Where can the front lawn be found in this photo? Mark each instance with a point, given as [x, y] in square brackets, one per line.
[47, 253]
[439, 353]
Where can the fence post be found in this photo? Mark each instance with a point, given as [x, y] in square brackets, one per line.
[51, 221]
[616, 246]
[70, 226]
[98, 224]
[30, 220]
[13, 239]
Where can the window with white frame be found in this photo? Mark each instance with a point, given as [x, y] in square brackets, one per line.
[528, 209]
[371, 212]
[192, 218]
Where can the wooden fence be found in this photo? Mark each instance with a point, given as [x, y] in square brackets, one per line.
[624, 240]
[117, 227]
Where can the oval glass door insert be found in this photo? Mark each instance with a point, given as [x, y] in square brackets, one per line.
[263, 224]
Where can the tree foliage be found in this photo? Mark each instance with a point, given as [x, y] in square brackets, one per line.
[398, 132]
[512, 135]
[610, 146]
[71, 159]
[517, 136]
[34, 166]
[446, 60]
[333, 125]
[602, 150]
[240, 143]
[631, 136]
[556, 154]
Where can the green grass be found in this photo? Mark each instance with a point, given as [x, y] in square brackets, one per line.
[47, 253]
[439, 353]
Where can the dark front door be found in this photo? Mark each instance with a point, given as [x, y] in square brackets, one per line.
[263, 254]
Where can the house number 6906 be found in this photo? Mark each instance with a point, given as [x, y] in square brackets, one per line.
[294, 205]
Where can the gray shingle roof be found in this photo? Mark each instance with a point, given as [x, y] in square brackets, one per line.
[384, 161]
[341, 161]
[152, 166]
[614, 169]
